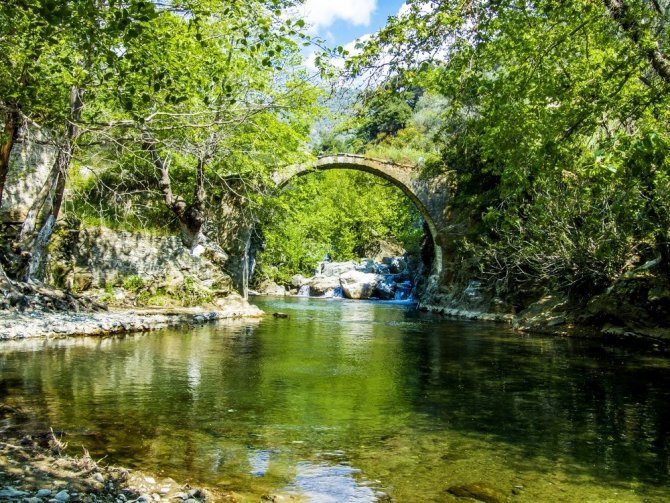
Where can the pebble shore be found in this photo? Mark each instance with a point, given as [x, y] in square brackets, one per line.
[33, 470]
[17, 325]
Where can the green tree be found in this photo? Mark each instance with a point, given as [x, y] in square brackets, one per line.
[53, 54]
[555, 118]
[345, 214]
[197, 90]
[386, 110]
[213, 91]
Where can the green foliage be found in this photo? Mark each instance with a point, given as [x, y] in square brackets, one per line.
[134, 283]
[554, 127]
[110, 189]
[190, 293]
[387, 110]
[214, 86]
[212, 82]
[341, 213]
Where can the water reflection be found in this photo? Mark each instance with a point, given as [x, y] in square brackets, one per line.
[261, 407]
[259, 460]
[324, 483]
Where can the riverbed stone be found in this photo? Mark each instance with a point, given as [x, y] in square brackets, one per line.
[478, 491]
[322, 285]
[10, 493]
[359, 285]
[63, 496]
[43, 493]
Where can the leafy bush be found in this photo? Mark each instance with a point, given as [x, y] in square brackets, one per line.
[134, 283]
[191, 293]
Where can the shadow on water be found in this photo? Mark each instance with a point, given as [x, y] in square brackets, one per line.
[606, 409]
[344, 399]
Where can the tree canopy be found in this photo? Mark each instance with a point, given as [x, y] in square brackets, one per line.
[555, 124]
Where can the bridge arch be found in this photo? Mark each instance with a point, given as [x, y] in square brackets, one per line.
[405, 177]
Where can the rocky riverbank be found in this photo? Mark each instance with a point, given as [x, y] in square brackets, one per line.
[41, 323]
[634, 311]
[36, 468]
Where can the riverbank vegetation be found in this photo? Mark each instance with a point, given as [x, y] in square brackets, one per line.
[551, 121]
[143, 115]
[554, 124]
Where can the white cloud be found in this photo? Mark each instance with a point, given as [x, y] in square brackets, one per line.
[323, 13]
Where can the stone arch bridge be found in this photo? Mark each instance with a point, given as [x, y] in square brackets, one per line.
[430, 195]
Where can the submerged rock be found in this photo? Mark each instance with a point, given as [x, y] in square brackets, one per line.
[478, 492]
[63, 496]
[11, 493]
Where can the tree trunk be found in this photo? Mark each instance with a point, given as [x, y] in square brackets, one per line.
[44, 212]
[11, 132]
[191, 216]
[194, 217]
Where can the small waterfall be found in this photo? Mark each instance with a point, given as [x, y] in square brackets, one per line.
[334, 293]
[403, 291]
[304, 291]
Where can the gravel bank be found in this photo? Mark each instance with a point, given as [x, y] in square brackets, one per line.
[17, 325]
[33, 469]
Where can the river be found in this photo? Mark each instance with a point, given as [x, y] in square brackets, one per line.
[353, 401]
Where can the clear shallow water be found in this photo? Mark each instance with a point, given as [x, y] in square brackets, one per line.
[349, 401]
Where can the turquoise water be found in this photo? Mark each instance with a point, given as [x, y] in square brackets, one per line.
[358, 401]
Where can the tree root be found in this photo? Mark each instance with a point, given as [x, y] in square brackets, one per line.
[24, 296]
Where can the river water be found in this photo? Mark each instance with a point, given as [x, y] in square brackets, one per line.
[352, 401]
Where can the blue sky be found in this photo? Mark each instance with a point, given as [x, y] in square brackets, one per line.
[341, 22]
[342, 30]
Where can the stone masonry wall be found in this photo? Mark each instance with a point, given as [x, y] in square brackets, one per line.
[31, 159]
[96, 257]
